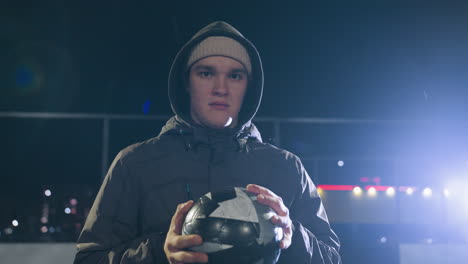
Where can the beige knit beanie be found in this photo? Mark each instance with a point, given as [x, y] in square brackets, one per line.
[220, 46]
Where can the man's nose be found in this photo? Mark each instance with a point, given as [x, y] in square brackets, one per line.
[220, 87]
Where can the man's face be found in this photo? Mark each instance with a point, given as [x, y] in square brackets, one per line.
[217, 87]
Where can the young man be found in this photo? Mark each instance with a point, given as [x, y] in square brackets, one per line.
[215, 89]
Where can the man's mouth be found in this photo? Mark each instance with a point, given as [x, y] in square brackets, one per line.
[219, 105]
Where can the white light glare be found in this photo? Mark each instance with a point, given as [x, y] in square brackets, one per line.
[427, 192]
[340, 163]
[15, 223]
[357, 191]
[67, 210]
[390, 191]
[409, 191]
[372, 192]
[47, 193]
[446, 192]
[383, 240]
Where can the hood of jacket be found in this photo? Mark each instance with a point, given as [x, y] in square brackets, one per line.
[179, 97]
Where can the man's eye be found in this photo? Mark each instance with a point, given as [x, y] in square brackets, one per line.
[236, 76]
[205, 74]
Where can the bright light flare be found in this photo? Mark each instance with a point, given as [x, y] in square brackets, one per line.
[340, 163]
[447, 193]
[357, 191]
[390, 191]
[383, 240]
[409, 191]
[427, 192]
[15, 223]
[47, 193]
[372, 192]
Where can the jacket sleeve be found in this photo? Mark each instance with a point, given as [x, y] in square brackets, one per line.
[313, 241]
[110, 234]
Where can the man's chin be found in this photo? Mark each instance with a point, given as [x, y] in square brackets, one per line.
[220, 124]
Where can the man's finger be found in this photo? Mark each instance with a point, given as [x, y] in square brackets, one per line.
[285, 243]
[181, 216]
[275, 203]
[177, 218]
[280, 221]
[188, 257]
[287, 238]
[182, 242]
[260, 190]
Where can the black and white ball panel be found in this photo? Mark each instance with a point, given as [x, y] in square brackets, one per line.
[235, 228]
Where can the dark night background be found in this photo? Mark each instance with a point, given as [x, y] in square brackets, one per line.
[381, 85]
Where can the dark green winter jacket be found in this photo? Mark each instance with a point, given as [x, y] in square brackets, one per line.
[146, 181]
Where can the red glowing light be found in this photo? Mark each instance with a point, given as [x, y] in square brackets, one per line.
[337, 187]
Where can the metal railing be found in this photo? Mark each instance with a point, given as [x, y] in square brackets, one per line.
[106, 118]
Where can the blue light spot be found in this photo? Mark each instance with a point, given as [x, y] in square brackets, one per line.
[24, 76]
[146, 107]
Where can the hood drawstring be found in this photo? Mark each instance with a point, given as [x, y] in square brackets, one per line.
[187, 143]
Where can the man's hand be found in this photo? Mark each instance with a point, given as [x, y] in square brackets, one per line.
[281, 219]
[176, 243]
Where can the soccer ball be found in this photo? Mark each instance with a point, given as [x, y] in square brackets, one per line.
[235, 228]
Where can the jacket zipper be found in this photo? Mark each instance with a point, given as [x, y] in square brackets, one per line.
[209, 168]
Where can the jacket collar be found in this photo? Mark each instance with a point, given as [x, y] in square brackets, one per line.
[214, 138]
